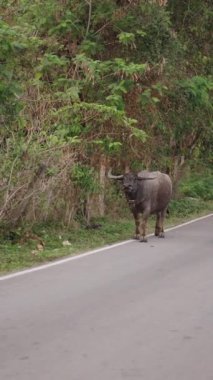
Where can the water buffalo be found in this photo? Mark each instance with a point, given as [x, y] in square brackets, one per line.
[147, 193]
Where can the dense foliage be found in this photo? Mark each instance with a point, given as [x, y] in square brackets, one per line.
[89, 84]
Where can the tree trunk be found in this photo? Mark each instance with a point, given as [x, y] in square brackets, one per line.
[177, 171]
[102, 176]
[88, 209]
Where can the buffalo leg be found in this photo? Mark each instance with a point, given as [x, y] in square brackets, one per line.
[143, 224]
[161, 231]
[158, 224]
[137, 225]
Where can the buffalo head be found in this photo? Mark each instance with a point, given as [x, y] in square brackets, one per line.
[129, 182]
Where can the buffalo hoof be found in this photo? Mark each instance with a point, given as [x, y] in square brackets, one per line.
[157, 231]
[161, 235]
[143, 240]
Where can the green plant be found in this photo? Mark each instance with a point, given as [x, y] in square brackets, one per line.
[198, 186]
[85, 86]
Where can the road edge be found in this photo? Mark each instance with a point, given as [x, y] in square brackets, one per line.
[89, 253]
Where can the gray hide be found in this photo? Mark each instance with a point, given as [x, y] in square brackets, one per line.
[147, 193]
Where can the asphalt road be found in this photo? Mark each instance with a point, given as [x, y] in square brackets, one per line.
[135, 311]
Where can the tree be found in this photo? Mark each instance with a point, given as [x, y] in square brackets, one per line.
[90, 84]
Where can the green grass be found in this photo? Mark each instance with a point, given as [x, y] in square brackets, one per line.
[17, 253]
[197, 186]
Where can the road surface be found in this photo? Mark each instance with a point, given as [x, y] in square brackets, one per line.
[135, 311]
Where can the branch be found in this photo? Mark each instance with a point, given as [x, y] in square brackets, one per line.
[89, 2]
[2, 212]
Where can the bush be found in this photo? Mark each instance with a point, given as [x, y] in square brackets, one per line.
[185, 207]
[198, 187]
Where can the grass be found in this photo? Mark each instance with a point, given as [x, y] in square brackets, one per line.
[59, 242]
[19, 249]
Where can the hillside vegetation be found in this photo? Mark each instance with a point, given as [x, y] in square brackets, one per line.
[88, 85]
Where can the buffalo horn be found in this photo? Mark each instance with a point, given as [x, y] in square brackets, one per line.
[111, 176]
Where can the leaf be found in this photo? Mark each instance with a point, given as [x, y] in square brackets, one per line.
[155, 100]
[98, 142]
[116, 100]
[66, 243]
[72, 93]
[38, 75]
[141, 33]
[115, 145]
[74, 140]
[126, 38]
[139, 134]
